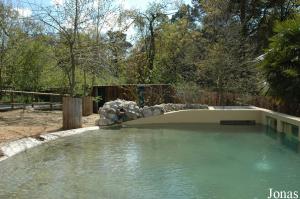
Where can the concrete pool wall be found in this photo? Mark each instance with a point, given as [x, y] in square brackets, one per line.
[14, 147]
[200, 116]
[215, 116]
[211, 115]
[280, 119]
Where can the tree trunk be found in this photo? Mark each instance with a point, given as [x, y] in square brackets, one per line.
[87, 105]
[73, 44]
[243, 16]
[151, 50]
[85, 84]
[72, 113]
[73, 71]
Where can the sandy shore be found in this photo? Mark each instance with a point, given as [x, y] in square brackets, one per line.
[23, 123]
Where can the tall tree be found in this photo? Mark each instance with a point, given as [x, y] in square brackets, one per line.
[67, 20]
[226, 66]
[117, 47]
[147, 24]
[8, 18]
[179, 47]
[281, 63]
[71, 20]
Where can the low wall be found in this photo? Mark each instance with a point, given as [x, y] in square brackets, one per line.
[14, 147]
[201, 116]
[280, 119]
[256, 114]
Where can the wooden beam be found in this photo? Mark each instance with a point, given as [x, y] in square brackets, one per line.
[33, 93]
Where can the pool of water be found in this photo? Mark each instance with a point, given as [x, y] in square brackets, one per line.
[182, 161]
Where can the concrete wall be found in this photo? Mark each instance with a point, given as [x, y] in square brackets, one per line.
[215, 116]
[281, 118]
[200, 116]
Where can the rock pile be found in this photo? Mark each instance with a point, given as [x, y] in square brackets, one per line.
[120, 110]
[109, 112]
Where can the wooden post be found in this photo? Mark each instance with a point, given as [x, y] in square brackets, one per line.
[51, 101]
[32, 100]
[12, 100]
[72, 113]
[95, 103]
[87, 106]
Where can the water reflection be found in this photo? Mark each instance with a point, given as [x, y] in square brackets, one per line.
[203, 161]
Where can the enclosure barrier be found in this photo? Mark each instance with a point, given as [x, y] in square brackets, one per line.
[143, 94]
[151, 94]
[283, 123]
[21, 99]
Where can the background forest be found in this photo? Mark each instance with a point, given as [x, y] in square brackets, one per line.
[248, 46]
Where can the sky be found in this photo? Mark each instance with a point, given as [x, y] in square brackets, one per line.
[22, 6]
[141, 4]
[127, 4]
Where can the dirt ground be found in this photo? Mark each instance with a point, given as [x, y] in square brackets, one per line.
[23, 123]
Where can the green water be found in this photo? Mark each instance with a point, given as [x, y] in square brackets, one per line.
[193, 161]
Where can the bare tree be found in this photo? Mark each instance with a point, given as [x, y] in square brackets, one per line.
[66, 20]
[77, 23]
[104, 15]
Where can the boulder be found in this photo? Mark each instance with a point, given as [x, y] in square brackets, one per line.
[129, 104]
[158, 110]
[102, 112]
[131, 115]
[168, 107]
[105, 122]
[147, 111]
[109, 111]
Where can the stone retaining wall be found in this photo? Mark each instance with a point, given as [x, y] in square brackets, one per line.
[110, 113]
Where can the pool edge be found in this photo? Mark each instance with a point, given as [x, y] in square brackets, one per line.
[15, 147]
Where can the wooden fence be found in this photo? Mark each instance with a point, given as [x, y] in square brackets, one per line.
[143, 94]
[10, 99]
[163, 93]
[235, 99]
